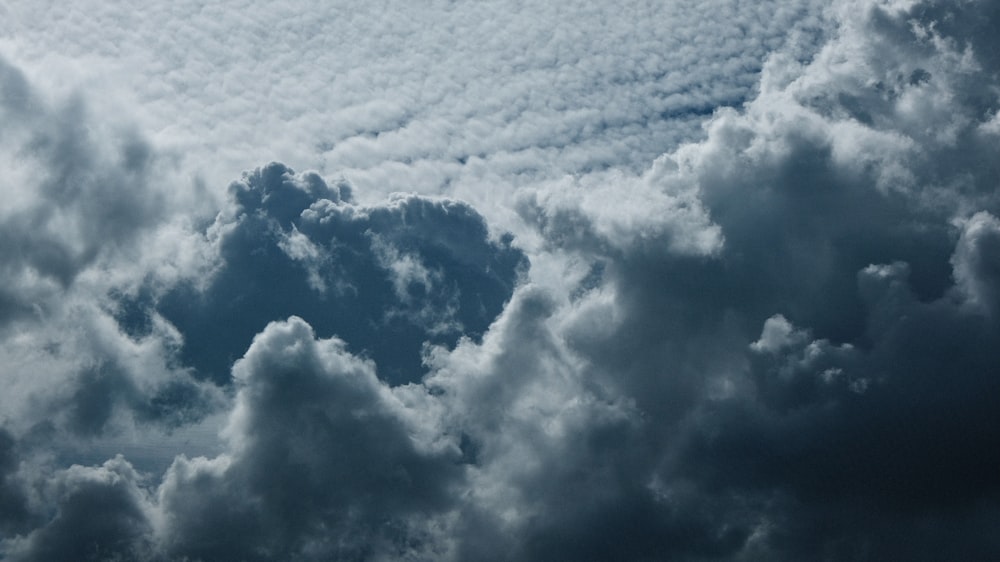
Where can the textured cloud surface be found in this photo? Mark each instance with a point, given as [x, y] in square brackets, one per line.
[435, 97]
[386, 278]
[588, 332]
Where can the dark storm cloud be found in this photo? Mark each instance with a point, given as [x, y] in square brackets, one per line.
[779, 343]
[100, 513]
[560, 465]
[325, 461]
[15, 515]
[864, 451]
[820, 382]
[384, 278]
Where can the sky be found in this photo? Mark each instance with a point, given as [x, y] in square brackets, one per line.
[474, 281]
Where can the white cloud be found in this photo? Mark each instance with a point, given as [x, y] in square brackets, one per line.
[447, 97]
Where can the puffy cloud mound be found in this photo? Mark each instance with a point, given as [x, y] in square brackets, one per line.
[325, 461]
[808, 377]
[76, 532]
[384, 278]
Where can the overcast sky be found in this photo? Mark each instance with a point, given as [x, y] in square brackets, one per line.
[445, 280]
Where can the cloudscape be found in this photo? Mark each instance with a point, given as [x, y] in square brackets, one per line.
[500, 281]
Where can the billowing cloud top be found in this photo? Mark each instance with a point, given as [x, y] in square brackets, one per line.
[777, 339]
[386, 278]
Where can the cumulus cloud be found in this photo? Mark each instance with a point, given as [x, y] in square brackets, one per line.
[78, 493]
[778, 341]
[806, 366]
[325, 460]
[975, 263]
[385, 278]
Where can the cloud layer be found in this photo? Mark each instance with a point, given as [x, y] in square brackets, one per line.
[443, 97]
[778, 340]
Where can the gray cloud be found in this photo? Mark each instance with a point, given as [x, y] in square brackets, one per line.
[73, 197]
[777, 342]
[120, 532]
[15, 516]
[846, 198]
[84, 206]
[385, 278]
[85, 199]
[325, 461]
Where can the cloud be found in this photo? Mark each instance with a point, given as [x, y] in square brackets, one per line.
[448, 98]
[385, 278]
[324, 460]
[865, 417]
[15, 516]
[808, 365]
[73, 196]
[778, 341]
[77, 493]
[975, 263]
[85, 200]
[559, 460]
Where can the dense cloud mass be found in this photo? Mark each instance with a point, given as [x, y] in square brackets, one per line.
[778, 341]
[85, 205]
[385, 278]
